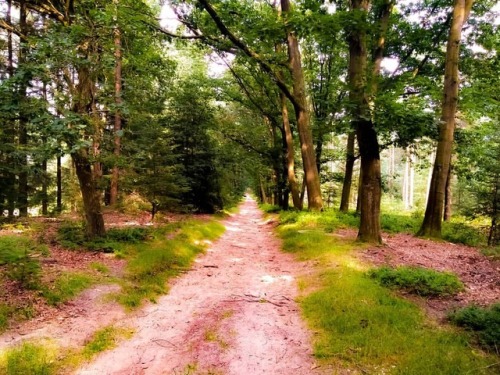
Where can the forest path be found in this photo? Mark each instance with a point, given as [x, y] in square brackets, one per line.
[233, 313]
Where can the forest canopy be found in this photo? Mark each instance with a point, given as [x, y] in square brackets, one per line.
[311, 104]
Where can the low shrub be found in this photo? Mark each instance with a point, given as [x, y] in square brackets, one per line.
[485, 322]
[18, 255]
[416, 280]
[394, 223]
[130, 235]
[269, 208]
[462, 233]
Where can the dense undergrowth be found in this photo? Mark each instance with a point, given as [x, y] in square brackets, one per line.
[363, 325]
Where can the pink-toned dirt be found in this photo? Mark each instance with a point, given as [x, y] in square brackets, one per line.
[233, 313]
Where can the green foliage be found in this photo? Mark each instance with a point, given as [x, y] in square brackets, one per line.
[416, 280]
[152, 264]
[485, 322]
[72, 236]
[18, 254]
[397, 223]
[269, 208]
[28, 359]
[65, 287]
[466, 234]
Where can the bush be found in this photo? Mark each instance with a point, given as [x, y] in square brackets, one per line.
[18, 254]
[416, 280]
[72, 236]
[462, 233]
[129, 235]
[485, 322]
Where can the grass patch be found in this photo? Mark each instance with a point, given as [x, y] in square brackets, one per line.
[5, 314]
[484, 322]
[29, 359]
[99, 267]
[459, 232]
[151, 264]
[67, 286]
[104, 339]
[360, 324]
[417, 280]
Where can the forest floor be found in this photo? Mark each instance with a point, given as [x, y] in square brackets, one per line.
[234, 312]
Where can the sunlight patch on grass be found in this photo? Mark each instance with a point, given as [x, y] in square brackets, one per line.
[360, 324]
[29, 358]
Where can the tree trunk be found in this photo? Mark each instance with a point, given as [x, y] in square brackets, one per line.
[290, 155]
[90, 195]
[371, 189]
[448, 195]
[23, 120]
[431, 226]
[349, 167]
[113, 193]
[314, 199]
[59, 185]
[10, 129]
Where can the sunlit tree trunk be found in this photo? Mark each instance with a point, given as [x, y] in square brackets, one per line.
[314, 199]
[349, 167]
[448, 197]
[431, 226]
[290, 155]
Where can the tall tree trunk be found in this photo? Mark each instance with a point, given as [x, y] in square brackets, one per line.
[431, 226]
[349, 168]
[290, 155]
[314, 199]
[85, 105]
[371, 188]
[113, 193]
[10, 128]
[23, 120]
[90, 194]
[448, 195]
[59, 185]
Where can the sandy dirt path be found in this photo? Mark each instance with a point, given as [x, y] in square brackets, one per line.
[233, 313]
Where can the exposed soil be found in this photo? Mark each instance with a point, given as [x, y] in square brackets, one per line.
[233, 313]
[480, 275]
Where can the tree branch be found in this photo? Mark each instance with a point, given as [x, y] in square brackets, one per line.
[247, 51]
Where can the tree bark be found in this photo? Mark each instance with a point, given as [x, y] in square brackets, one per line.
[290, 155]
[22, 198]
[314, 199]
[349, 168]
[59, 185]
[431, 226]
[90, 194]
[448, 195]
[371, 188]
[113, 193]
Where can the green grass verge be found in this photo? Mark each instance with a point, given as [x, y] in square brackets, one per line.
[65, 287]
[29, 359]
[417, 280]
[152, 263]
[363, 326]
[104, 339]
